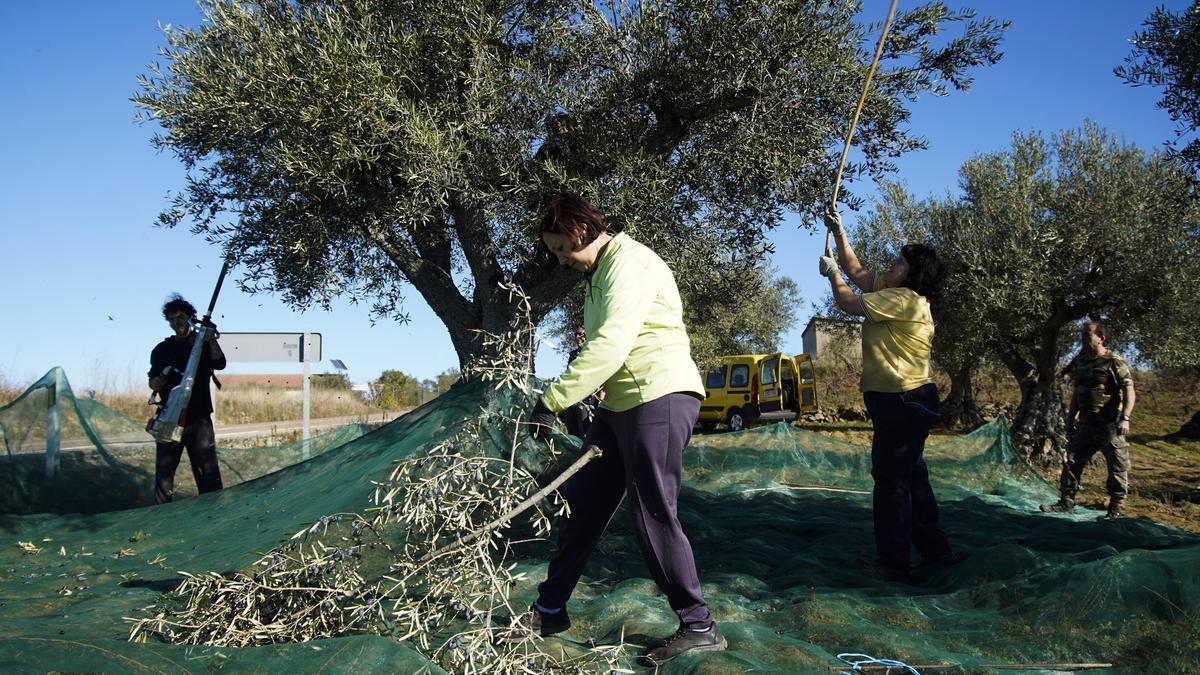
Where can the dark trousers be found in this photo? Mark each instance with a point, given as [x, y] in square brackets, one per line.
[906, 512]
[201, 444]
[1093, 435]
[643, 459]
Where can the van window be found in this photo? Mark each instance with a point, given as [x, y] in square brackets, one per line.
[739, 376]
[768, 371]
[716, 378]
[806, 372]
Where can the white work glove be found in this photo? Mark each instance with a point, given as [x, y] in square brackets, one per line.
[829, 267]
[833, 220]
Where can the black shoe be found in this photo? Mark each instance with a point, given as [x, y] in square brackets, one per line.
[685, 640]
[1063, 505]
[538, 623]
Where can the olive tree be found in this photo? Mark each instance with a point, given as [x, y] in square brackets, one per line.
[1058, 229]
[365, 148]
[1167, 55]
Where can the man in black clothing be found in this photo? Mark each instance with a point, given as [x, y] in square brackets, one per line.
[167, 363]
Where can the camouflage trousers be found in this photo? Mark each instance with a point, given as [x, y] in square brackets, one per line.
[1091, 436]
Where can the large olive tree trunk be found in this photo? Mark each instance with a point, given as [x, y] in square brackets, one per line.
[1039, 425]
[959, 410]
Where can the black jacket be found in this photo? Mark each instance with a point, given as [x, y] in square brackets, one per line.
[175, 352]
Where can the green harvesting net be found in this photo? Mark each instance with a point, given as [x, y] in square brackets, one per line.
[64, 454]
[779, 519]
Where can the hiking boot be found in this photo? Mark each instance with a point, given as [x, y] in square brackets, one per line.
[535, 622]
[1063, 505]
[1116, 509]
[684, 640]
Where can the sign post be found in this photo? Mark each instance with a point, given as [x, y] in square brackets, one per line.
[277, 348]
[307, 389]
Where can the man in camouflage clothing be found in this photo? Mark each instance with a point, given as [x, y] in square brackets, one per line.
[1102, 400]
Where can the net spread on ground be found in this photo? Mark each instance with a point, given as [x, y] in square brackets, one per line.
[779, 519]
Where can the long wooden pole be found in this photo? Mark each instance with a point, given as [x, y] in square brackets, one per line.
[590, 453]
[862, 99]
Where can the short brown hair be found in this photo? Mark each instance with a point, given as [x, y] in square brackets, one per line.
[572, 215]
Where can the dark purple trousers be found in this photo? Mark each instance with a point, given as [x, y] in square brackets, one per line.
[643, 458]
[906, 512]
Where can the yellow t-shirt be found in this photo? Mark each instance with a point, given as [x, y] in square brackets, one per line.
[897, 339]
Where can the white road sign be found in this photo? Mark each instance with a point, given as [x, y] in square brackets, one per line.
[272, 347]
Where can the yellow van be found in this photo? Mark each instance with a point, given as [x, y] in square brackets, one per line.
[758, 388]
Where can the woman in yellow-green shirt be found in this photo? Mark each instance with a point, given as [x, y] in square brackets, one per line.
[636, 348]
[901, 398]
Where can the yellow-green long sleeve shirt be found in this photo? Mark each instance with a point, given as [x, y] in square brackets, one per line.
[637, 347]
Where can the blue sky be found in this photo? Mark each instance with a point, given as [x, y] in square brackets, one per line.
[86, 270]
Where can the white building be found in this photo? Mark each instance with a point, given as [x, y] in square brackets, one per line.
[825, 337]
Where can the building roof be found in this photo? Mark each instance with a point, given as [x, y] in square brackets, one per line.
[827, 319]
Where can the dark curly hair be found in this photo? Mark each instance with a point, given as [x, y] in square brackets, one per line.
[926, 271]
[572, 215]
[176, 303]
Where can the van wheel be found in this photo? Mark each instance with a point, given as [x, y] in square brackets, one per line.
[735, 421]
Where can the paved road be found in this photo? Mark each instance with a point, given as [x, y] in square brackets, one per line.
[316, 426]
[228, 431]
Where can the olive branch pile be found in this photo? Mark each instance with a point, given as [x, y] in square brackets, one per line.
[430, 561]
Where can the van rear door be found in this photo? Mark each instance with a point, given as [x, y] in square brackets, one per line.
[808, 383]
[770, 398]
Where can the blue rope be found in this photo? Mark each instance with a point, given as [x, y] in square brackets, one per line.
[865, 660]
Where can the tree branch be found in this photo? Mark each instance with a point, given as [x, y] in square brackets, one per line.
[477, 246]
[434, 283]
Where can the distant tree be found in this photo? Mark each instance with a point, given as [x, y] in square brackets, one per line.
[1167, 55]
[753, 324]
[395, 389]
[336, 381]
[446, 379]
[428, 391]
[1056, 230]
[359, 146]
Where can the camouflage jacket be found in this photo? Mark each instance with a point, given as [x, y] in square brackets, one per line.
[1099, 383]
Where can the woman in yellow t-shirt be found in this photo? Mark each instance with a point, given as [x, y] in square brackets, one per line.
[901, 398]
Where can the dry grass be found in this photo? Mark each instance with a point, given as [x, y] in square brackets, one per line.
[9, 390]
[255, 404]
[243, 405]
[269, 404]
